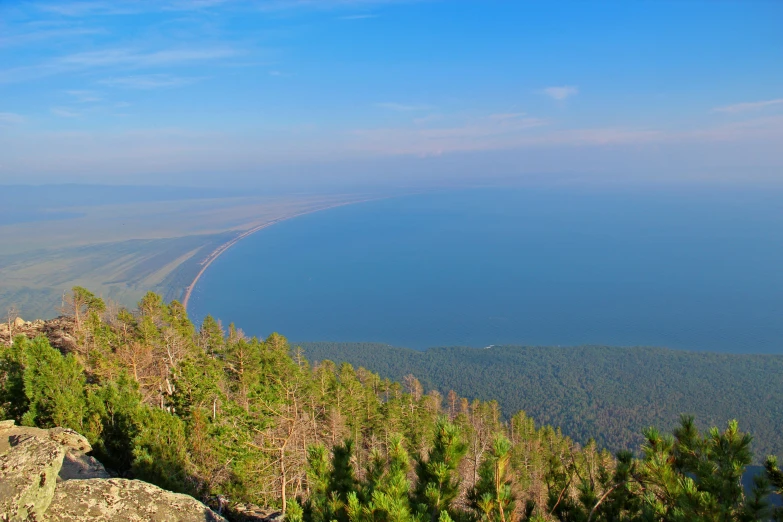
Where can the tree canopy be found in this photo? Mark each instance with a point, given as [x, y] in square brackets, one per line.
[235, 419]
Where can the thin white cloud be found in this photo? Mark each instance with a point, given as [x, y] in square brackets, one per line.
[81, 9]
[83, 96]
[506, 116]
[124, 7]
[748, 106]
[288, 5]
[561, 93]
[128, 7]
[119, 57]
[167, 153]
[472, 134]
[402, 107]
[533, 133]
[149, 81]
[188, 5]
[358, 17]
[25, 38]
[11, 117]
[64, 112]
[132, 58]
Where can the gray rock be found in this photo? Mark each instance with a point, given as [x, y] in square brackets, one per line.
[47, 475]
[252, 513]
[31, 461]
[80, 467]
[126, 501]
[77, 465]
[29, 464]
[70, 439]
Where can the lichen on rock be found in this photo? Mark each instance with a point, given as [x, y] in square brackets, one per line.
[127, 500]
[47, 475]
[29, 464]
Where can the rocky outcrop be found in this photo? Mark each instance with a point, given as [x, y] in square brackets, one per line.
[29, 464]
[252, 513]
[79, 467]
[60, 332]
[47, 475]
[122, 499]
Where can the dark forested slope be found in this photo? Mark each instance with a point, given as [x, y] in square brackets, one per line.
[607, 393]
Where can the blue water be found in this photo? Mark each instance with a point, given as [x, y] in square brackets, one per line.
[688, 269]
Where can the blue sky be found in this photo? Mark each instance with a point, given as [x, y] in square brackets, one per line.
[356, 92]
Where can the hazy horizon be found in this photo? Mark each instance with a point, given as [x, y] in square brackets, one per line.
[359, 94]
[139, 137]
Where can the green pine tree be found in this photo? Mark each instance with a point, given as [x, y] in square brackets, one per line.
[54, 387]
[160, 451]
[342, 481]
[13, 400]
[386, 490]
[774, 476]
[315, 508]
[688, 476]
[113, 421]
[491, 498]
[438, 480]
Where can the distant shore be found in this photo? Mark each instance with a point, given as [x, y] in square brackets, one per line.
[225, 246]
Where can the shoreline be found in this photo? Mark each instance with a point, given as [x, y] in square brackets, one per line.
[225, 246]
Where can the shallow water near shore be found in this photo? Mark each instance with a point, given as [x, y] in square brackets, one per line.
[687, 269]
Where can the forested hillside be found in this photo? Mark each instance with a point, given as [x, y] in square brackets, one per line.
[234, 420]
[609, 394]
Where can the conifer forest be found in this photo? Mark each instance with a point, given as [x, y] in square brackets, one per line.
[208, 411]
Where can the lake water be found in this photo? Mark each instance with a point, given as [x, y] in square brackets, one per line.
[688, 269]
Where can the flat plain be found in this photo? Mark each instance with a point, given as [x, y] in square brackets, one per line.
[120, 247]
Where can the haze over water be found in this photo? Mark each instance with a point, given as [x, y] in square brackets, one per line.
[694, 270]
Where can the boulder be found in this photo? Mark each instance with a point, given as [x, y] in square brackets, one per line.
[252, 513]
[29, 464]
[77, 465]
[125, 500]
[60, 332]
[48, 475]
[70, 439]
[80, 467]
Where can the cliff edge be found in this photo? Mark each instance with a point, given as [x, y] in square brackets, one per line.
[47, 475]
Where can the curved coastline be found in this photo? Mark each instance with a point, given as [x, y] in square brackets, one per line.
[225, 246]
